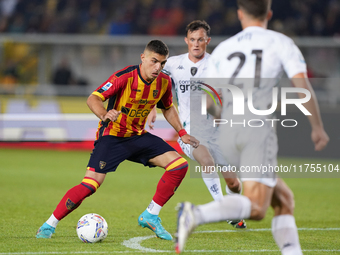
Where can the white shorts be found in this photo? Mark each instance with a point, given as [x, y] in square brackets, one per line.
[251, 150]
[211, 145]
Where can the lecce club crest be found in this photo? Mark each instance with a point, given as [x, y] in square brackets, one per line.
[102, 164]
[155, 93]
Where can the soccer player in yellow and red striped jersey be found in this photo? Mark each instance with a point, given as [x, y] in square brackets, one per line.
[132, 93]
[135, 97]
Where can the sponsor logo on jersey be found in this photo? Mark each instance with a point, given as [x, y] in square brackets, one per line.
[135, 113]
[142, 101]
[186, 85]
[180, 67]
[125, 110]
[193, 71]
[138, 113]
[107, 86]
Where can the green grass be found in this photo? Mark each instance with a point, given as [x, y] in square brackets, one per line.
[33, 182]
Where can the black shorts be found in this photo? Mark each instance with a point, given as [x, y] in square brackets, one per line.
[109, 151]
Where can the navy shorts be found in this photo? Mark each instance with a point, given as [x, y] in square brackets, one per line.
[109, 151]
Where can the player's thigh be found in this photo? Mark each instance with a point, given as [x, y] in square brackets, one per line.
[259, 156]
[151, 150]
[109, 151]
[259, 147]
[216, 153]
[260, 196]
[283, 199]
[164, 159]
[228, 144]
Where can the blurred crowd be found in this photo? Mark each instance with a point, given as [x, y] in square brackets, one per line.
[161, 17]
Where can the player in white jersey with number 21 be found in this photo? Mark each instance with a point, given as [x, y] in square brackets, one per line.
[253, 60]
[182, 68]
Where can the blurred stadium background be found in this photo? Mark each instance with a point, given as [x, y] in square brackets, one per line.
[54, 53]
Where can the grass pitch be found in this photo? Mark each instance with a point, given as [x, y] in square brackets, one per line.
[33, 182]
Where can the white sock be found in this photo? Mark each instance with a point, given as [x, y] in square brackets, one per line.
[212, 181]
[154, 208]
[52, 221]
[231, 207]
[285, 233]
[230, 192]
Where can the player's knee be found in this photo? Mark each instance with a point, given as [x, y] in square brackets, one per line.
[257, 212]
[178, 167]
[206, 161]
[184, 168]
[233, 184]
[90, 184]
[283, 202]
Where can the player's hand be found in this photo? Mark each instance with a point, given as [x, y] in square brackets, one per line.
[111, 115]
[188, 139]
[319, 138]
[152, 118]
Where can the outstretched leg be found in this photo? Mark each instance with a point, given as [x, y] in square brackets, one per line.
[252, 205]
[71, 200]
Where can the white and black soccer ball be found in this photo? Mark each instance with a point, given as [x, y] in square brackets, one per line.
[92, 228]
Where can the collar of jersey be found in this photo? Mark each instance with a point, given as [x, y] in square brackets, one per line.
[197, 63]
[254, 28]
[141, 77]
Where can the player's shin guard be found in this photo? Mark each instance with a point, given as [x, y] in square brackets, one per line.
[171, 179]
[286, 235]
[75, 196]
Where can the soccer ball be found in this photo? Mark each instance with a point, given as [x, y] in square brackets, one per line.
[92, 228]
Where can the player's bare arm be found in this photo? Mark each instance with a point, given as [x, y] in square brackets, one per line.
[319, 135]
[172, 117]
[95, 103]
[213, 109]
[152, 118]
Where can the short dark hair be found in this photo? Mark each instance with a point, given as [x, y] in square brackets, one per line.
[197, 24]
[158, 46]
[258, 9]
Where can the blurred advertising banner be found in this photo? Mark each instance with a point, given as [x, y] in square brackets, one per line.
[56, 121]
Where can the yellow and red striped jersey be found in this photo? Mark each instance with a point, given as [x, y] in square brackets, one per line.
[129, 93]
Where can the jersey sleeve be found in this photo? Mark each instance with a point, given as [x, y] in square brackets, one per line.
[166, 101]
[167, 67]
[292, 59]
[212, 70]
[109, 88]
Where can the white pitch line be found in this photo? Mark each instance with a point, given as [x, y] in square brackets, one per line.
[264, 229]
[135, 242]
[158, 251]
[66, 252]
